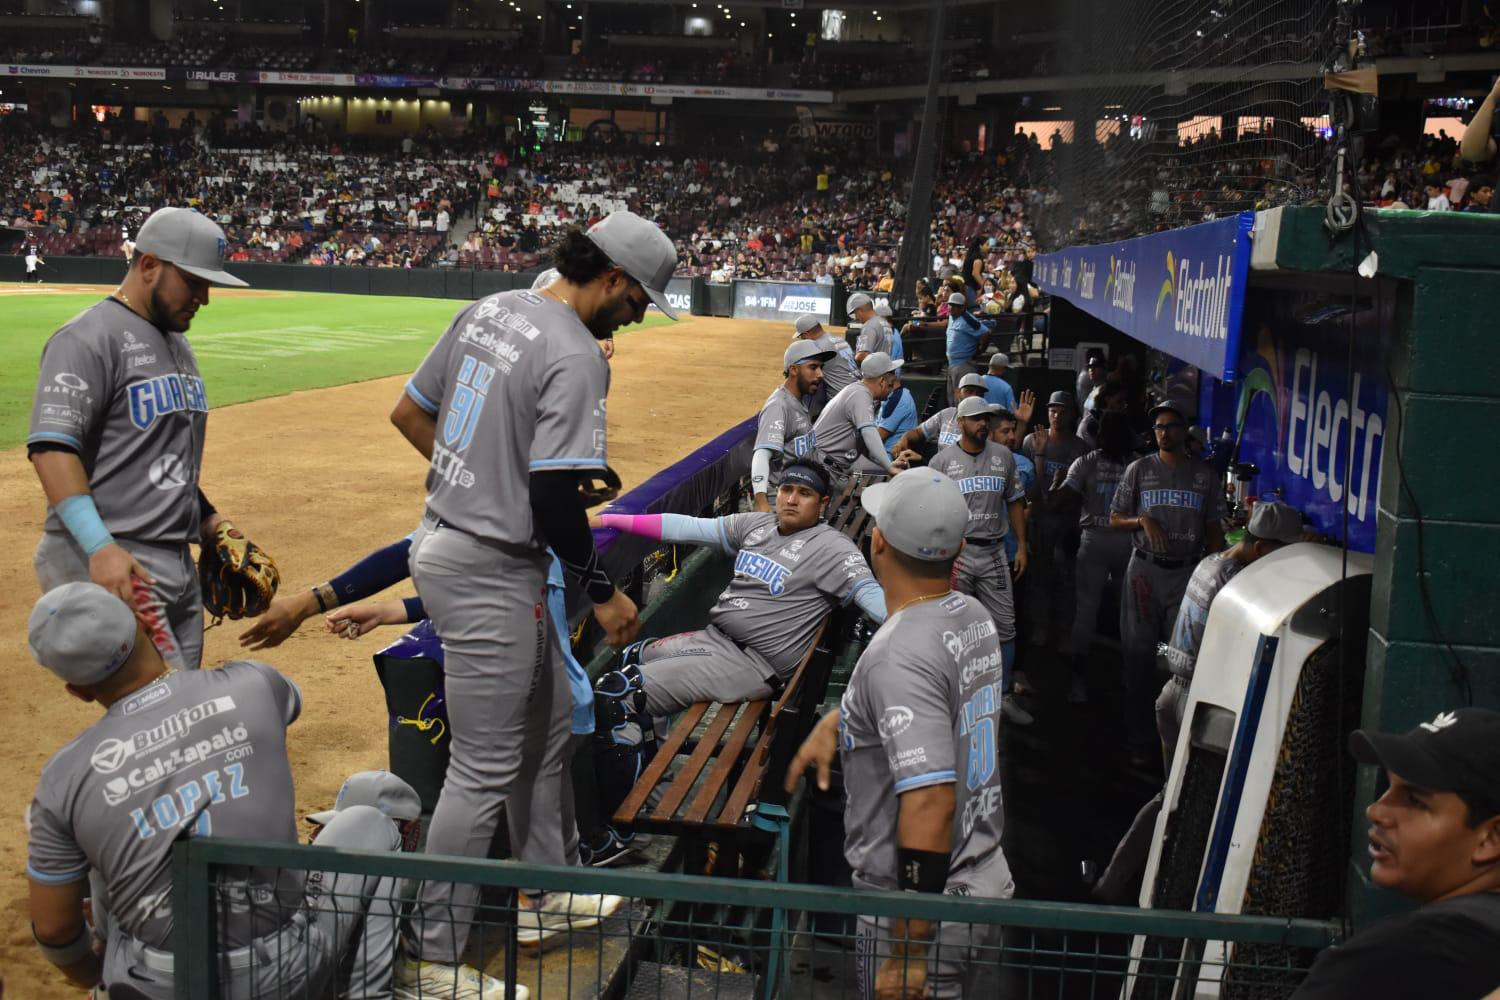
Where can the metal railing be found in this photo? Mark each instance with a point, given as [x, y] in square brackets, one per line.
[682, 935]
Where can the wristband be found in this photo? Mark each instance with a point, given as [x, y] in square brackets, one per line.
[921, 871]
[68, 954]
[415, 612]
[79, 515]
[326, 597]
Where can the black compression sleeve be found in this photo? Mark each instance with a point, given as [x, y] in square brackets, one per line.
[205, 509]
[564, 524]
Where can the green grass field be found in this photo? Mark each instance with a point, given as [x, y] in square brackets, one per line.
[248, 348]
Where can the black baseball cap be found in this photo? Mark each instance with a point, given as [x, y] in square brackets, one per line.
[1457, 751]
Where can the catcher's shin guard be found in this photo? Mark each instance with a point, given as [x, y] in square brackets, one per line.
[624, 737]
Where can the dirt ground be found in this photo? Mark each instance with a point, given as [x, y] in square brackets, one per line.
[319, 479]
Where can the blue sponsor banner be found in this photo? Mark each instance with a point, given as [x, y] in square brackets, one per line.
[781, 300]
[1314, 429]
[1181, 292]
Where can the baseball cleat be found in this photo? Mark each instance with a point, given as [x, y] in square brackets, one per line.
[562, 911]
[417, 980]
[611, 849]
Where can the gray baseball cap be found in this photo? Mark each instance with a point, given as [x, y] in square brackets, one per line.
[878, 364]
[1000, 360]
[858, 301]
[977, 406]
[883, 309]
[642, 249]
[1062, 398]
[958, 299]
[922, 513]
[807, 322]
[380, 789]
[1275, 521]
[81, 632]
[804, 350]
[188, 240]
[546, 278]
[973, 380]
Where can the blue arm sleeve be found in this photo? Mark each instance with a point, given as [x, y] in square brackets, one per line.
[870, 597]
[372, 574]
[686, 530]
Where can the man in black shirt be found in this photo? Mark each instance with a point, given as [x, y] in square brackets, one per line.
[1434, 838]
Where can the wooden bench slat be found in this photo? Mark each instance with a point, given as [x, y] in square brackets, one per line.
[664, 756]
[728, 756]
[688, 773]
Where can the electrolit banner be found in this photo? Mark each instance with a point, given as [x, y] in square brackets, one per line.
[1181, 292]
[1295, 407]
[781, 300]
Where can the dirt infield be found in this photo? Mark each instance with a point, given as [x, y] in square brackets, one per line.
[319, 479]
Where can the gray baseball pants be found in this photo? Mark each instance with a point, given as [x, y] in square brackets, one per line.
[706, 665]
[956, 372]
[1149, 603]
[172, 608]
[303, 957]
[509, 713]
[1102, 555]
[983, 572]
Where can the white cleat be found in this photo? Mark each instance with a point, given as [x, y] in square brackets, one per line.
[436, 981]
[562, 911]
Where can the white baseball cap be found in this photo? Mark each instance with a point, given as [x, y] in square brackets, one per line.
[977, 406]
[878, 364]
[858, 300]
[973, 380]
[958, 299]
[187, 240]
[380, 789]
[81, 632]
[1000, 360]
[922, 513]
[807, 322]
[804, 350]
[1275, 522]
[642, 249]
[883, 309]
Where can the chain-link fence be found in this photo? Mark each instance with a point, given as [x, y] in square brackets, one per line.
[628, 934]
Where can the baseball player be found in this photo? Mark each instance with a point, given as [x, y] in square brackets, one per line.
[967, 336]
[127, 246]
[1049, 587]
[547, 277]
[986, 475]
[874, 333]
[117, 437]
[189, 754]
[997, 389]
[1089, 490]
[509, 407]
[940, 429]
[1271, 526]
[1173, 507]
[34, 264]
[839, 372]
[846, 429]
[917, 732]
[784, 432]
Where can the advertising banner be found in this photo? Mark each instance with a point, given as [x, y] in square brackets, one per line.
[1314, 430]
[85, 72]
[781, 300]
[679, 295]
[1181, 292]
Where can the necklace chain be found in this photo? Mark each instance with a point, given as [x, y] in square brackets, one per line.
[919, 597]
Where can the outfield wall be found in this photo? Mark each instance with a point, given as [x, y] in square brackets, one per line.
[775, 300]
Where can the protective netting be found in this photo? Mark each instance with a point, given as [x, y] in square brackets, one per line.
[1190, 110]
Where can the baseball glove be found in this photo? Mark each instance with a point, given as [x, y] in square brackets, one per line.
[596, 487]
[238, 579]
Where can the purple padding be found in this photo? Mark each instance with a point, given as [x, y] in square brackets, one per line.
[685, 487]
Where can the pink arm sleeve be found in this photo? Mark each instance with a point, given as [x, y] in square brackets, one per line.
[644, 525]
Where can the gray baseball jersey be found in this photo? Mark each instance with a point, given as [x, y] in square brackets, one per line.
[200, 753]
[128, 398]
[840, 370]
[517, 384]
[785, 429]
[989, 483]
[1052, 457]
[922, 708]
[1094, 477]
[942, 427]
[874, 336]
[1183, 500]
[1207, 580]
[783, 585]
[838, 426]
